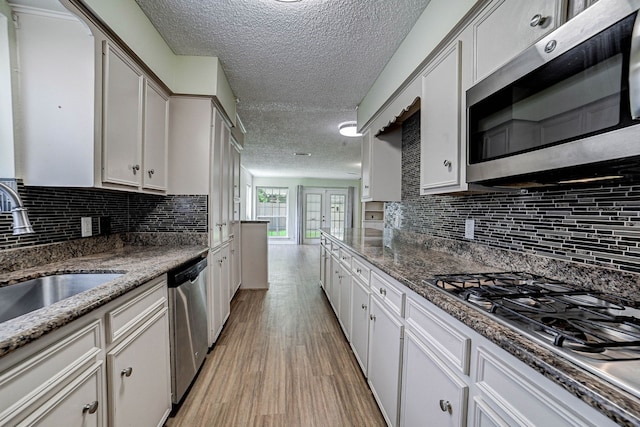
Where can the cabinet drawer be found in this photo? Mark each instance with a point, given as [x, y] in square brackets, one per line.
[345, 257]
[55, 362]
[389, 293]
[519, 399]
[129, 315]
[452, 345]
[360, 270]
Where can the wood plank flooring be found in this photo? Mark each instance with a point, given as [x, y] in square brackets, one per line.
[281, 359]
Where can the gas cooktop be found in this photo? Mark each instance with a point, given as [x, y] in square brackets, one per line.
[594, 330]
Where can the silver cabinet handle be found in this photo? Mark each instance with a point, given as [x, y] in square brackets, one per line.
[538, 20]
[383, 291]
[135, 168]
[445, 406]
[364, 306]
[550, 47]
[372, 317]
[90, 408]
[358, 270]
[366, 186]
[447, 163]
[151, 172]
[126, 372]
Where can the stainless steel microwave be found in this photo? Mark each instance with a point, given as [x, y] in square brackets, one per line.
[567, 107]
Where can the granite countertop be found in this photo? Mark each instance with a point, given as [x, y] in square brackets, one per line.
[138, 263]
[410, 263]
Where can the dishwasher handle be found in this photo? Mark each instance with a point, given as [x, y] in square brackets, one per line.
[186, 273]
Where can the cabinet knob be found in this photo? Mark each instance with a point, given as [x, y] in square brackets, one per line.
[135, 168]
[358, 270]
[372, 317]
[383, 291]
[126, 372]
[364, 306]
[445, 406]
[366, 186]
[551, 46]
[538, 20]
[447, 163]
[151, 172]
[90, 408]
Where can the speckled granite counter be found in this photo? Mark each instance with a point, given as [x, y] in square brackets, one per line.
[410, 260]
[138, 263]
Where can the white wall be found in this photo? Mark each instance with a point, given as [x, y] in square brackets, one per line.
[246, 179]
[292, 184]
[437, 20]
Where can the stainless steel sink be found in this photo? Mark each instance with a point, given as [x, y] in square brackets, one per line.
[30, 295]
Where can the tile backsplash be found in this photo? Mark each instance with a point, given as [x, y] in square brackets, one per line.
[597, 225]
[55, 214]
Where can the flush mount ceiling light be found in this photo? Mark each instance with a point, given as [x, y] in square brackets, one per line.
[349, 129]
[288, 1]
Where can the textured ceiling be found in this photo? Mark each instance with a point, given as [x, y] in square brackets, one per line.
[298, 70]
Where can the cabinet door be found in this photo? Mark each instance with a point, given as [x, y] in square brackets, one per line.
[334, 290]
[440, 122]
[225, 284]
[215, 186]
[80, 404]
[385, 350]
[139, 377]
[360, 322]
[430, 391]
[122, 119]
[225, 184]
[509, 27]
[345, 301]
[366, 165]
[156, 115]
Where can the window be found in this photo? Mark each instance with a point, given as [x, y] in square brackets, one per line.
[272, 206]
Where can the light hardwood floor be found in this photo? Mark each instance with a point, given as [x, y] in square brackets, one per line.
[281, 359]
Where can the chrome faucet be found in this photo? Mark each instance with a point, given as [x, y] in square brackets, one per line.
[21, 224]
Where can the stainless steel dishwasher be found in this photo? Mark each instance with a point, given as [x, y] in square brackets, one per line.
[188, 323]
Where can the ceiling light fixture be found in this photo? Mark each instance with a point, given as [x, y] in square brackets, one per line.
[349, 129]
[288, 1]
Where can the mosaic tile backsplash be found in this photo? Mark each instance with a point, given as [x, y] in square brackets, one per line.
[55, 214]
[597, 225]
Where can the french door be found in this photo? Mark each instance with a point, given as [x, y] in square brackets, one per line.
[324, 208]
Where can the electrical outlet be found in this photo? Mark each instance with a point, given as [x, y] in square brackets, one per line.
[86, 227]
[469, 226]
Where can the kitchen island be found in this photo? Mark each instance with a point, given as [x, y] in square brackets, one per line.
[410, 261]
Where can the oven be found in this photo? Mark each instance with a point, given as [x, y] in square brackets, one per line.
[596, 331]
[569, 104]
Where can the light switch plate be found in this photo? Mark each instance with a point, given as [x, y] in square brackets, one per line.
[469, 226]
[85, 225]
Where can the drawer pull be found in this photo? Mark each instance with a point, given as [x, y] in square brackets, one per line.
[364, 306]
[372, 317]
[358, 270]
[126, 372]
[445, 406]
[383, 291]
[538, 20]
[90, 408]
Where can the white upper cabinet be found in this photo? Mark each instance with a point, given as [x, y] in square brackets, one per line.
[440, 120]
[382, 166]
[90, 116]
[56, 56]
[122, 99]
[507, 27]
[156, 122]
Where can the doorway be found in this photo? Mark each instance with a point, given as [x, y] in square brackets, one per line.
[324, 208]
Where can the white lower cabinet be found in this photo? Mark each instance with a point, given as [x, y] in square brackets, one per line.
[430, 390]
[360, 322]
[78, 375]
[426, 368]
[137, 392]
[385, 351]
[80, 404]
[344, 314]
